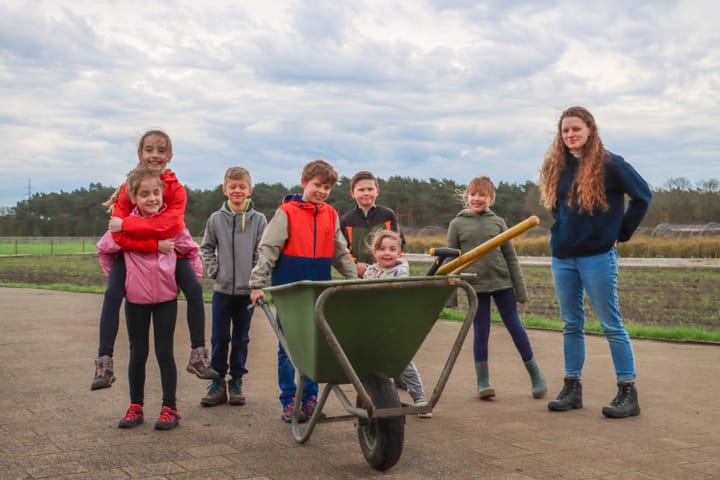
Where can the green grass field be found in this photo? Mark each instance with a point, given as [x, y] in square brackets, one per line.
[659, 303]
[54, 247]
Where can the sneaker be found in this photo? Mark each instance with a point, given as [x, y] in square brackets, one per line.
[217, 394]
[104, 376]
[287, 413]
[235, 392]
[168, 420]
[423, 403]
[309, 405]
[200, 366]
[133, 417]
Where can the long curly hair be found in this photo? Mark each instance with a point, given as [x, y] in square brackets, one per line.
[588, 188]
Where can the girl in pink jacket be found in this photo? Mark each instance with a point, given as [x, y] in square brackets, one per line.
[151, 295]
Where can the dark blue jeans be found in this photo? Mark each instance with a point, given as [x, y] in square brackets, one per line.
[230, 327]
[286, 380]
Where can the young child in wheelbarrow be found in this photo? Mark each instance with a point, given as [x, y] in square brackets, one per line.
[301, 242]
[386, 249]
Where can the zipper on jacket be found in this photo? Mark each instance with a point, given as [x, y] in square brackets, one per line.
[315, 234]
[232, 237]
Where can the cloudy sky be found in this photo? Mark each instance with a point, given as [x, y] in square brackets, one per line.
[423, 89]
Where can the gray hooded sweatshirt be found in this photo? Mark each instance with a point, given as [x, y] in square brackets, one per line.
[229, 247]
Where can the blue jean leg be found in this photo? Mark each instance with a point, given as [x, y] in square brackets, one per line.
[230, 333]
[240, 336]
[599, 275]
[286, 380]
[570, 296]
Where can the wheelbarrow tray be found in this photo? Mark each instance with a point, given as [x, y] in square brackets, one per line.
[379, 324]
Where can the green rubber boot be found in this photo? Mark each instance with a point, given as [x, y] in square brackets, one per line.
[539, 389]
[485, 391]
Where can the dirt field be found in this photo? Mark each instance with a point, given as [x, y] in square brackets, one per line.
[663, 292]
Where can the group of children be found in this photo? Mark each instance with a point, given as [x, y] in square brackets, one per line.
[149, 256]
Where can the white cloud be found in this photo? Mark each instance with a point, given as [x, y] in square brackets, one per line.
[414, 88]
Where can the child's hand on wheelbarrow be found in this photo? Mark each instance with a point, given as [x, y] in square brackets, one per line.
[256, 294]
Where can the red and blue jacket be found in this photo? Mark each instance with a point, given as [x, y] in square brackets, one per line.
[310, 246]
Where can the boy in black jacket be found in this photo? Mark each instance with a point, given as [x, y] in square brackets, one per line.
[361, 222]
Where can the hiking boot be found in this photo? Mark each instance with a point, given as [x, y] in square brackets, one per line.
[423, 403]
[485, 391]
[200, 366]
[168, 420]
[308, 407]
[569, 397]
[625, 403]
[539, 389]
[235, 392]
[133, 417]
[287, 413]
[104, 376]
[217, 394]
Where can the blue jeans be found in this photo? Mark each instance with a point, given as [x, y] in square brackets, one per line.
[230, 327]
[286, 380]
[597, 275]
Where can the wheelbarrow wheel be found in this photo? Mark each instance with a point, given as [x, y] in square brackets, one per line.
[381, 439]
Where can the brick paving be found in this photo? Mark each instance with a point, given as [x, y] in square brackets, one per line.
[53, 426]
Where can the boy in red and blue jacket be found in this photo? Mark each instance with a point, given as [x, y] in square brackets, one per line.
[301, 242]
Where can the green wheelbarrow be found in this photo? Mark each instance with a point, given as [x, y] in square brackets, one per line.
[363, 333]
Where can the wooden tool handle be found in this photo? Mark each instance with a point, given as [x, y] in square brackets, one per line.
[465, 260]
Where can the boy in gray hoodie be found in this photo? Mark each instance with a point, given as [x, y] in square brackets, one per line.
[229, 252]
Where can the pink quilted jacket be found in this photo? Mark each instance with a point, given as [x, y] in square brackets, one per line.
[150, 276]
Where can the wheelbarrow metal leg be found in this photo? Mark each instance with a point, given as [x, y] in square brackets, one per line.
[301, 434]
[457, 346]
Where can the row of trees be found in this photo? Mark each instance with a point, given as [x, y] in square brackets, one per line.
[419, 204]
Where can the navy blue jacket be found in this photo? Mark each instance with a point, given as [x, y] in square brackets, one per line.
[577, 234]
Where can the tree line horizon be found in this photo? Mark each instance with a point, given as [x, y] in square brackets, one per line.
[418, 203]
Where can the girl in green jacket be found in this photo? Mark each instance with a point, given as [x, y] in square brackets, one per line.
[498, 277]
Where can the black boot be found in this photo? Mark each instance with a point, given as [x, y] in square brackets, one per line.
[625, 403]
[569, 397]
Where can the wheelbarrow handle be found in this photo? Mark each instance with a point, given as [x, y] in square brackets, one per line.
[441, 254]
[275, 325]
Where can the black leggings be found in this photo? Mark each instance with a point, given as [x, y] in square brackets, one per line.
[138, 317]
[115, 291]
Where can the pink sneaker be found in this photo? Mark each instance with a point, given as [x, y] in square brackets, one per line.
[168, 420]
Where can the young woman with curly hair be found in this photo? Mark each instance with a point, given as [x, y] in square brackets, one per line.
[585, 186]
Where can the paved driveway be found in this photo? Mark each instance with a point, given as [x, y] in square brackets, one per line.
[53, 426]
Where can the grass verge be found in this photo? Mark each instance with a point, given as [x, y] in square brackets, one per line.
[661, 304]
[647, 332]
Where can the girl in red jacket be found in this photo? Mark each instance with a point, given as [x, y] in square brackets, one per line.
[150, 235]
[151, 298]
